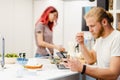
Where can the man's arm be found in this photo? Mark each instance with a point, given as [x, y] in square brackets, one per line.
[42, 43]
[89, 55]
[110, 73]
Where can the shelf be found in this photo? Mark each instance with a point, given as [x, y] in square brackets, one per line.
[110, 5]
[118, 21]
[117, 11]
[114, 8]
[118, 4]
[111, 11]
[118, 14]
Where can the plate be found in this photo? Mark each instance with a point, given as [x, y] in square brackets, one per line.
[10, 60]
[33, 70]
[33, 67]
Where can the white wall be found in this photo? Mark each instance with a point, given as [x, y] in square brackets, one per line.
[73, 18]
[17, 19]
[16, 25]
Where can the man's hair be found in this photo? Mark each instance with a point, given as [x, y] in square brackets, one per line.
[99, 14]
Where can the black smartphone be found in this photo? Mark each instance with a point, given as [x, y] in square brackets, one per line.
[61, 66]
[61, 54]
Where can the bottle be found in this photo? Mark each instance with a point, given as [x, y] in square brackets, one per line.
[88, 42]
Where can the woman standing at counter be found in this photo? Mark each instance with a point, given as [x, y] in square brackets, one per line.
[44, 33]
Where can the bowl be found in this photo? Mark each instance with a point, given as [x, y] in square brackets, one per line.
[22, 61]
[10, 60]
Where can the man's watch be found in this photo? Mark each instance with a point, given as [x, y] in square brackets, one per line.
[84, 69]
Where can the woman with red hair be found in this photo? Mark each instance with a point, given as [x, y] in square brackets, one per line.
[44, 33]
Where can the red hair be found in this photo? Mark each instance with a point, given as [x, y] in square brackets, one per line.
[44, 17]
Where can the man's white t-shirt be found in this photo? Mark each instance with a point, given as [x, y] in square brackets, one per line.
[106, 48]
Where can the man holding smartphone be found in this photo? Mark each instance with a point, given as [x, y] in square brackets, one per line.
[106, 51]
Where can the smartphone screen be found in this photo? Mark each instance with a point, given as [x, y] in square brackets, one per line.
[61, 54]
[61, 66]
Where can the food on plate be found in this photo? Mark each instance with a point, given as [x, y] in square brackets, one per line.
[55, 60]
[38, 66]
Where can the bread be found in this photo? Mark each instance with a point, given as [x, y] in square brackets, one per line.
[33, 66]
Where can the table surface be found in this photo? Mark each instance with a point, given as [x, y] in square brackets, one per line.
[48, 72]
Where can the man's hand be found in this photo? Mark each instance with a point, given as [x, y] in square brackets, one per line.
[74, 64]
[80, 38]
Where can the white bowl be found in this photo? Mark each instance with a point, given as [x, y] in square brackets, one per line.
[10, 60]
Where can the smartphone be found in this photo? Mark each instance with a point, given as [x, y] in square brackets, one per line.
[61, 66]
[61, 54]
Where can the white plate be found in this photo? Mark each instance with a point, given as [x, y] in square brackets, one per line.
[39, 69]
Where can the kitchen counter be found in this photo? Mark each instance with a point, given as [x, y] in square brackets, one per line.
[48, 72]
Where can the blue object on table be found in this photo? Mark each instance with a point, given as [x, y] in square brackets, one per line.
[22, 61]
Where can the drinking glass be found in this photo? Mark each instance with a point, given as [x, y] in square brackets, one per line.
[21, 62]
